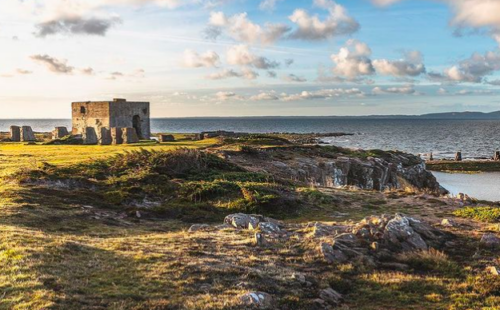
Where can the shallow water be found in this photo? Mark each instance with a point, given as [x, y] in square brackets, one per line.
[484, 186]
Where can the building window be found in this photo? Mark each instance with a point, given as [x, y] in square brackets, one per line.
[83, 110]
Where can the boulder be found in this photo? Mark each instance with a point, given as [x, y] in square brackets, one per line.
[116, 135]
[198, 227]
[129, 135]
[167, 138]
[259, 300]
[331, 255]
[90, 136]
[244, 221]
[59, 132]
[331, 297]
[490, 240]
[105, 137]
[15, 133]
[260, 240]
[269, 228]
[27, 134]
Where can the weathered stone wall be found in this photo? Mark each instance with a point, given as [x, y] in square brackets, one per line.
[89, 114]
[122, 115]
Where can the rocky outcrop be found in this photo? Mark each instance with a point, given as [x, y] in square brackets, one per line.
[377, 236]
[390, 170]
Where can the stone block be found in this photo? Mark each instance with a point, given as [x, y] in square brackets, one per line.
[129, 135]
[59, 132]
[90, 136]
[116, 135]
[15, 133]
[167, 138]
[105, 137]
[27, 134]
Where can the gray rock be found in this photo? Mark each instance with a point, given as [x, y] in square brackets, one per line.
[129, 135]
[90, 136]
[331, 255]
[198, 227]
[244, 221]
[331, 297]
[269, 227]
[15, 133]
[27, 134]
[260, 240]
[490, 240]
[60, 132]
[259, 300]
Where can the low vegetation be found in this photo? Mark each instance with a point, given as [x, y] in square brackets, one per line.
[464, 166]
[484, 214]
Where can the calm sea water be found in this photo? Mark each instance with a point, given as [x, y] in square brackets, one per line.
[442, 137]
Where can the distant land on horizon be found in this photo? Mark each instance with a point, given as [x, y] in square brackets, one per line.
[468, 115]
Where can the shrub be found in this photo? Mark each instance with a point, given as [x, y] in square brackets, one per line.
[430, 261]
[484, 214]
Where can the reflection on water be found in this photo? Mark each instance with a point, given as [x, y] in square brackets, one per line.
[484, 186]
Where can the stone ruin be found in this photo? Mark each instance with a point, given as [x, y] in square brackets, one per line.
[22, 134]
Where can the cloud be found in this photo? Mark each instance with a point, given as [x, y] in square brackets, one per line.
[324, 94]
[268, 5]
[224, 96]
[194, 60]
[23, 72]
[311, 28]
[269, 96]
[272, 74]
[240, 28]
[53, 64]
[385, 2]
[242, 56]
[294, 78]
[87, 71]
[406, 90]
[353, 60]
[471, 70]
[76, 26]
[289, 62]
[410, 65]
[245, 73]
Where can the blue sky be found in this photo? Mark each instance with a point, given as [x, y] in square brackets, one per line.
[250, 58]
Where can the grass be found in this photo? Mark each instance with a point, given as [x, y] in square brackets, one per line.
[484, 214]
[463, 166]
[70, 237]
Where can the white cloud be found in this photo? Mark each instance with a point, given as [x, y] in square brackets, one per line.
[240, 28]
[294, 78]
[324, 94]
[265, 96]
[225, 96]
[194, 60]
[353, 60]
[406, 90]
[312, 28]
[410, 65]
[242, 56]
[245, 73]
[268, 5]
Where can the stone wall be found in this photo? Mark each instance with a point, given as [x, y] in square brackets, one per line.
[123, 113]
[89, 114]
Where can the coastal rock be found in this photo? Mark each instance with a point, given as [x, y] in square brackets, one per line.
[490, 240]
[198, 227]
[331, 296]
[258, 300]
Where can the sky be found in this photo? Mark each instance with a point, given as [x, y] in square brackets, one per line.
[199, 58]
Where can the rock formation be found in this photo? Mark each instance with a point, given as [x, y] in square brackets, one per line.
[59, 132]
[27, 134]
[15, 133]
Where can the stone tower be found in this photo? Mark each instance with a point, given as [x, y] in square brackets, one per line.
[118, 113]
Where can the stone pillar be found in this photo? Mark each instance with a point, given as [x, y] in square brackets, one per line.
[497, 156]
[27, 134]
[129, 135]
[15, 133]
[458, 156]
[116, 135]
[105, 137]
[89, 136]
[167, 138]
[60, 132]
[431, 157]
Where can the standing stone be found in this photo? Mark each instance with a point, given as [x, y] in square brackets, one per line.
[15, 133]
[497, 156]
[90, 136]
[105, 137]
[458, 156]
[167, 138]
[60, 132]
[116, 135]
[129, 135]
[27, 134]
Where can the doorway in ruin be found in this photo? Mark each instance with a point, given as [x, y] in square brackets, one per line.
[136, 123]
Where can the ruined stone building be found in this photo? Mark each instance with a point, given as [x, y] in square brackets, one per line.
[94, 118]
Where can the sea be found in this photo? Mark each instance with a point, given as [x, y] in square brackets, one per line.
[442, 138]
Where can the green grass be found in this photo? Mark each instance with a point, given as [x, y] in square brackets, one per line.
[484, 214]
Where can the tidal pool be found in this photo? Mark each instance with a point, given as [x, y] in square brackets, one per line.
[484, 186]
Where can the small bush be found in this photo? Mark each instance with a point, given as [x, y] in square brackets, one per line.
[483, 214]
[430, 261]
